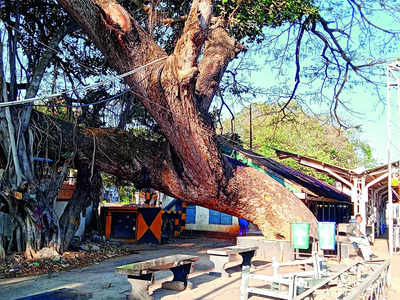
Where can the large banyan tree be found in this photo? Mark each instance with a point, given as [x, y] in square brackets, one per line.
[173, 56]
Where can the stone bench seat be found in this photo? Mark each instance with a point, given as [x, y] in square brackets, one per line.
[284, 286]
[141, 274]
[221, 256]
[345, 248]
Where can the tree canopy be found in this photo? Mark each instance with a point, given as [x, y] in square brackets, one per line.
[317, 51]
[303, 134]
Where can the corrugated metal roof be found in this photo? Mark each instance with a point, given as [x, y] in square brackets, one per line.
[318, 187]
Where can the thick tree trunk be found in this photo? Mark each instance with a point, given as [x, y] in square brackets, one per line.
[190, 166]
[247, 192]
[87, 190]
[37, 229]
[26, 199]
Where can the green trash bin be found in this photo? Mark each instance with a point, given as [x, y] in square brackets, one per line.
[300, 235]
[326, 235]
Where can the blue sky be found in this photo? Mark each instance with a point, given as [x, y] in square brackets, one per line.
[373, 123]
[371, 114]
[365, 46]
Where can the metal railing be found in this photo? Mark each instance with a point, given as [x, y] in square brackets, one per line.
[372, 287]
[363, 280]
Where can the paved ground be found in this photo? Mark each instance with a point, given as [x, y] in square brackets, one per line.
[101, 280]
[381, 249]
[103, 283]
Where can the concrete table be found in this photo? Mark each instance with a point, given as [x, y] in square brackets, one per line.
[140, 274]
[221, 256]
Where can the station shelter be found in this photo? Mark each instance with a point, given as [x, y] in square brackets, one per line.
[367, 189]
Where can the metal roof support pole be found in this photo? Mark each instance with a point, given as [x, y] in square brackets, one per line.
[354, 195]
[389, 148]
[372, 202]
[380, 194]
[381, 213]
[377, 212]
[363, 203]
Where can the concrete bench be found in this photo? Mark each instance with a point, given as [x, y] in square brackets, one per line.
[345, 248]
[278, 287]
[315, 260]
[141, 274]
[282, 286]
[221, 256]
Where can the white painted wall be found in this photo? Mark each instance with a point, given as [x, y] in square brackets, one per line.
[202, 217]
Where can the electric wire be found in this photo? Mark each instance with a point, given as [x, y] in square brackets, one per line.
[60, 94]
[83, 88]
[101, 83]
[88, 104]
[88, 87]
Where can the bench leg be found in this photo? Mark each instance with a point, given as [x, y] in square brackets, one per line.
[219, 265]
[179, 282]
[246, 264]
[140, 287]
[244, 284]
[247, 256]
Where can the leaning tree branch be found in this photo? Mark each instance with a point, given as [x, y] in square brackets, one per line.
[183, 61]
[118, 152]
[189, 165]
[125, 48]
[152, 163]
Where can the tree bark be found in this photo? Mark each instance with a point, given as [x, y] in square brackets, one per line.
[189, 166]
[87, 190]
[219, 50]
[248, 193]
[36, 225]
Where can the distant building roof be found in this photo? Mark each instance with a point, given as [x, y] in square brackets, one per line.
[318, 187]
[376, 177]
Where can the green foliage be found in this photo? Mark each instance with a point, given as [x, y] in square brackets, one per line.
[363, 150]
[126, 190]
[126, 194]
[305, 135]
[58, 112]
[248, 17]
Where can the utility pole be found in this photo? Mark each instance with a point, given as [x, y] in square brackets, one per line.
[251, 128]
[389, 209]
